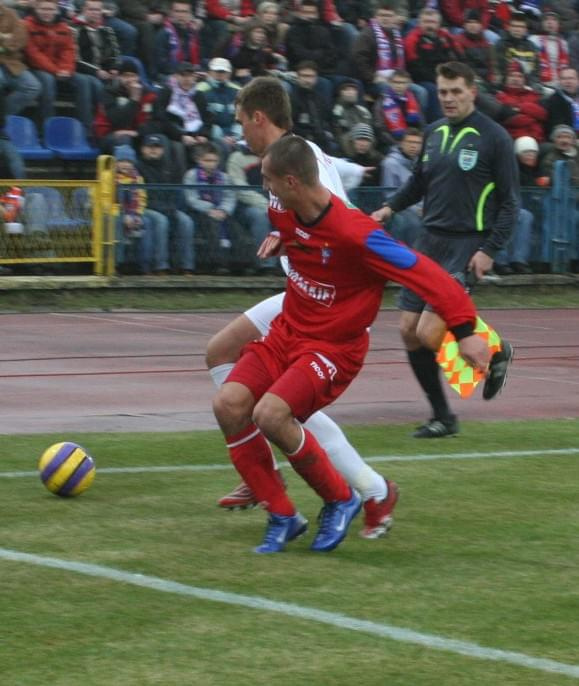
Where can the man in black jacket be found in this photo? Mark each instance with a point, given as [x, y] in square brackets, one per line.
[98, 51]
[156, 167]
[467, 174]
[308, 39]
[563, 106]
[310, 115]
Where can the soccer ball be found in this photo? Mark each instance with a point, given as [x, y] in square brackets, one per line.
[66, 469]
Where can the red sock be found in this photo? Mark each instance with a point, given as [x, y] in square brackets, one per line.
[252, 457]
[312, 463]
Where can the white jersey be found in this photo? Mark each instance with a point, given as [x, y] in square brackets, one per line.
[329, 174]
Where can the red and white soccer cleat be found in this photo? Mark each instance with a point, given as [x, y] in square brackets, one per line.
[378, 518]
[240, 498]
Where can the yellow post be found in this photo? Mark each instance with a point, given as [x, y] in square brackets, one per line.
[103, 216]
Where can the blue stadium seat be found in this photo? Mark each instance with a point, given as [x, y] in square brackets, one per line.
[23, 135]
[57, 217]
[66, 137]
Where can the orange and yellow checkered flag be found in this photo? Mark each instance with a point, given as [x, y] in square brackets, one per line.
[462, 377]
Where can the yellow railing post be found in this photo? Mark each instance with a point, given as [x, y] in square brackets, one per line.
[104, 216]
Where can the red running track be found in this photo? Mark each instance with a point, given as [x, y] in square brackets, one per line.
[73, 372]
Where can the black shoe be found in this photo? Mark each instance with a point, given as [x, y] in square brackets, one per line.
[437, 428]
[497, 376]
[502, 269]
[521, 268]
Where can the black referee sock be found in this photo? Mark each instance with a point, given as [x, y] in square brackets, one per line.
[426, 370]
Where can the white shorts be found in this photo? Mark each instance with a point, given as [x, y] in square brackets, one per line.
[262, 314]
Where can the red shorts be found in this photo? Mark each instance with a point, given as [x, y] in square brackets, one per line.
[308, 374]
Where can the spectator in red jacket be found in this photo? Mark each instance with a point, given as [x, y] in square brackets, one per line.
[530, 116]
[427, 46]
[454, 11]
[126, 110]
[51, 54]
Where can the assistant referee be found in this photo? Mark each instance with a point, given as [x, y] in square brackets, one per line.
[467, 175]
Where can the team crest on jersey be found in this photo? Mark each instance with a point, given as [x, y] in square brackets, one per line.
[467, 159]
[326, 254]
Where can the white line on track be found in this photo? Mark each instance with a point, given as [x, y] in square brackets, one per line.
[506, 454]
[126, 322]
[394, 633]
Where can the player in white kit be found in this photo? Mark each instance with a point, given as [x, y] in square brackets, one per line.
[264, 111]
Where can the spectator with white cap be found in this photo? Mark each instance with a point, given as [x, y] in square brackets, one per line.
[514, 257]
[220, 93]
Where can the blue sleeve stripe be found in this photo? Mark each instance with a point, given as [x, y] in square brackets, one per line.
[390, 250]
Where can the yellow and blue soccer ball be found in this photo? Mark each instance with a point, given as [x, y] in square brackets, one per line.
[66, 469]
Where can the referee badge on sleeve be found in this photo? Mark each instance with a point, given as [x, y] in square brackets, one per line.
[467, 159]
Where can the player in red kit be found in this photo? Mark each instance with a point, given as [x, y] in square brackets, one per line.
[339, 261]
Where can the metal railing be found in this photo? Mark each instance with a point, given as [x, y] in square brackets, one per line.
[74, 221]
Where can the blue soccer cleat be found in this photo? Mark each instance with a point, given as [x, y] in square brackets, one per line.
[280, 531]
[335, 518]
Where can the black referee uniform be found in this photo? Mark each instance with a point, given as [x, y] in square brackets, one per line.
[468, 176]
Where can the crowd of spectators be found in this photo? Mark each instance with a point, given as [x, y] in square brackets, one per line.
[154, 83]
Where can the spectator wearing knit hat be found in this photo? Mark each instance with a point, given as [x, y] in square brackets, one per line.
[346, 113]
[366, 155]
[565, 149]
[530, 116]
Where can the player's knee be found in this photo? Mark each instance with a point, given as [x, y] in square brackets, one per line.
[269, 414]
[231, 406]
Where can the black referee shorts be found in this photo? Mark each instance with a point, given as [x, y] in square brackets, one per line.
[451, 253]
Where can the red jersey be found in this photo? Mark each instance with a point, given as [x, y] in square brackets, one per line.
[338, 267]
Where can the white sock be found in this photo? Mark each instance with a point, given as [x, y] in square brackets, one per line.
[345, 458]
[220, 373]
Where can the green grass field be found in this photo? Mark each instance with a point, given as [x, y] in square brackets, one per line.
[484, 551]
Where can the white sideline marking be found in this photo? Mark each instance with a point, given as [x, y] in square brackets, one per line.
[263, 604]
[377, 458]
